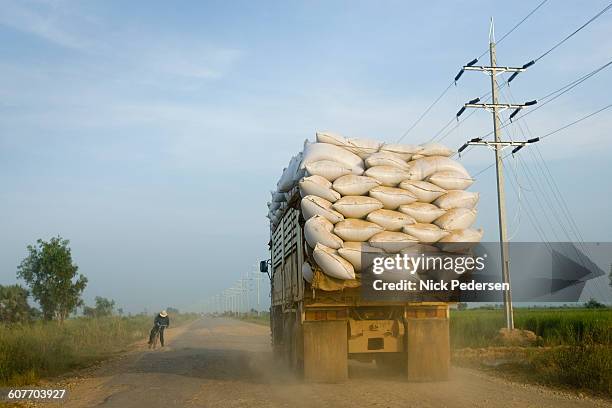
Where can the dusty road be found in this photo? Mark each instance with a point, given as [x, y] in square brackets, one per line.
[227, 363]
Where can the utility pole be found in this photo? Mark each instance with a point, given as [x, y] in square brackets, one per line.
[498, 145]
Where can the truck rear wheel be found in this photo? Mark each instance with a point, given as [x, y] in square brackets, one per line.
[325, 351]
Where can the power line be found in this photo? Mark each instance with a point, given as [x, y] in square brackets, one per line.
[550, 181]
[531, 214]
[551, 133]
[576, 121]
[533, 61]
[454, 82]
[426, 111]
[554, 95]
[575, 32]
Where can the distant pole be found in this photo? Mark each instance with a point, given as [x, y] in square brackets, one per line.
[248, 289]
[258, 279]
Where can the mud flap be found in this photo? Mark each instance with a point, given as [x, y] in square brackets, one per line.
[428, 349]
[325, 351]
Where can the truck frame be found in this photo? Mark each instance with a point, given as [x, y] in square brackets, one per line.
[318, 331]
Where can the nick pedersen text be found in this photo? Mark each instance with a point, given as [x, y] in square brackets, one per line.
[432, 285]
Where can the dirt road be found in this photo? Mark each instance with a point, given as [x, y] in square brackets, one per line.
[226, 363]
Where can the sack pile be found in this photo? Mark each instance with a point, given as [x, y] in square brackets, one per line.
[361, 195]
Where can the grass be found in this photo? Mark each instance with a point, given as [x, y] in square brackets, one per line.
[479, 327]
[29, 352]
[263, 319]
[574, 349]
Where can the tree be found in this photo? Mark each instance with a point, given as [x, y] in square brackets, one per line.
[14, 305]
[52, 277]
[172, 310]
[104, 307]
[594, 304]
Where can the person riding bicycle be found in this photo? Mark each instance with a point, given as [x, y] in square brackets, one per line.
[159, 324]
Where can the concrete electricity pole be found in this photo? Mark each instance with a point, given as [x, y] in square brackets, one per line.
[498, 145]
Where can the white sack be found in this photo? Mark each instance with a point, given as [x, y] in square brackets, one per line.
[351, 185]
[307, 273]
[435, 149]
[318, 230]
[323, 151]
[422, 212]
[386, 159]
[356, 230]
[356, 206]
[287, 180]
[424, 191]
[353, 252]
[362, 147]
[389, 176]
[405, 151]
[460, 240]
[457, 199]
[390, 220]
[441, 163]
[318, 186]
[332, 264]
[464, 235]
[330, 170]
[427, 233]
[392, 197]
[392, 242]
[457, 218]
[331, 138]
[450, 180]
[313, 205]
[427, 166]
[278, 197]
[273, 206]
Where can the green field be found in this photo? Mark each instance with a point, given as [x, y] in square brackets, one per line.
[574, 348]
[479, 327]
[29, 352]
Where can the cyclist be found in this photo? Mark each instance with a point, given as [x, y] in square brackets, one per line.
[160, 323]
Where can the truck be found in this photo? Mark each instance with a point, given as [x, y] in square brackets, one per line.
[317, 331]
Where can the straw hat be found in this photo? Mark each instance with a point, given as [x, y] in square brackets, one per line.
[163, 313]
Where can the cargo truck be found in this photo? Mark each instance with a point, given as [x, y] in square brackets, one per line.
[317, 331]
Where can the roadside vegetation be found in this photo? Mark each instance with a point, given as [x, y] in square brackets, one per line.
[57, 338]
[573, 346]
[262, 318]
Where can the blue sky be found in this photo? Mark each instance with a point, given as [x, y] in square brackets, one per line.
[150, 134]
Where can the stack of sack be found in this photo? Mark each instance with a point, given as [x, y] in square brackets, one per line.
[361, 195]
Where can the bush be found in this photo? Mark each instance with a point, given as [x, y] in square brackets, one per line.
[586, 366]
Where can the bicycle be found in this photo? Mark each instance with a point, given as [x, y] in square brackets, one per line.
[160, 327]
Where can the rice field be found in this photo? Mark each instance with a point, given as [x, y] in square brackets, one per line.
[479, 327]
